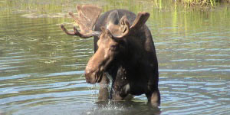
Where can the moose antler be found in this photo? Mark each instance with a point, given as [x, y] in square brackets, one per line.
[125, 27]
[86, 19]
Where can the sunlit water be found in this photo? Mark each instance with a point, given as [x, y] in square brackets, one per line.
[42, 69]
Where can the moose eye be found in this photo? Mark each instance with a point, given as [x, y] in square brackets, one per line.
[113, 47]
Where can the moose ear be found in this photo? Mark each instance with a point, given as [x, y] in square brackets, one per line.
[126, 29]
[140, 20]
[124, 24]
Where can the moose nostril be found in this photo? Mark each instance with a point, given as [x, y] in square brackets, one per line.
[87, 74]
[87, 79]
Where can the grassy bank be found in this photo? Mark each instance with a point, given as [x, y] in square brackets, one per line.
[204, 2]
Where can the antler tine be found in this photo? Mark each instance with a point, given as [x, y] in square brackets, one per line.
[76, 32]
[72, 15]
[66, 31]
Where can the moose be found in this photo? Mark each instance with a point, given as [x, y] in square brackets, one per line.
[123, 50]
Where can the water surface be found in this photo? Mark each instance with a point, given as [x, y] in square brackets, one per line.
[42, 69]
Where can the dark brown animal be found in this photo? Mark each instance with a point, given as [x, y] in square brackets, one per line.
[123, 48]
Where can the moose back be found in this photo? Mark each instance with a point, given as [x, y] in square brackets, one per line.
[124, 49]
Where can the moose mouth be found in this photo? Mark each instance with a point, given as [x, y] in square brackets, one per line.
[103, 71]
[94, 73]
[99, 76]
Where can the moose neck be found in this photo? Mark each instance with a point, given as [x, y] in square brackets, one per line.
[134, 55]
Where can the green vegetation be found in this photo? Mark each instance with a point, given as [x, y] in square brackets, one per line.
[203, 2]
[191, 3]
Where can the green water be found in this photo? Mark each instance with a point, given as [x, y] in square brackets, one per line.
[42, 69]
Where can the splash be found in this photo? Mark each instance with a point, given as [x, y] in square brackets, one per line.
[93, 93]
[111, 108]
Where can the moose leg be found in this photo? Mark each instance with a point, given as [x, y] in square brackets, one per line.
[123, 93]
[154, 97]
[103, 91]
[118, 97]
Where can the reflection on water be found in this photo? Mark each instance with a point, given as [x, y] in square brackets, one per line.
[41, 68]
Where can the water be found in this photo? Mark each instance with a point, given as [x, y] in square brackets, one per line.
[42, 69]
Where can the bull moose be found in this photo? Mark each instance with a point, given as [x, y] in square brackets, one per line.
[123, 48]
